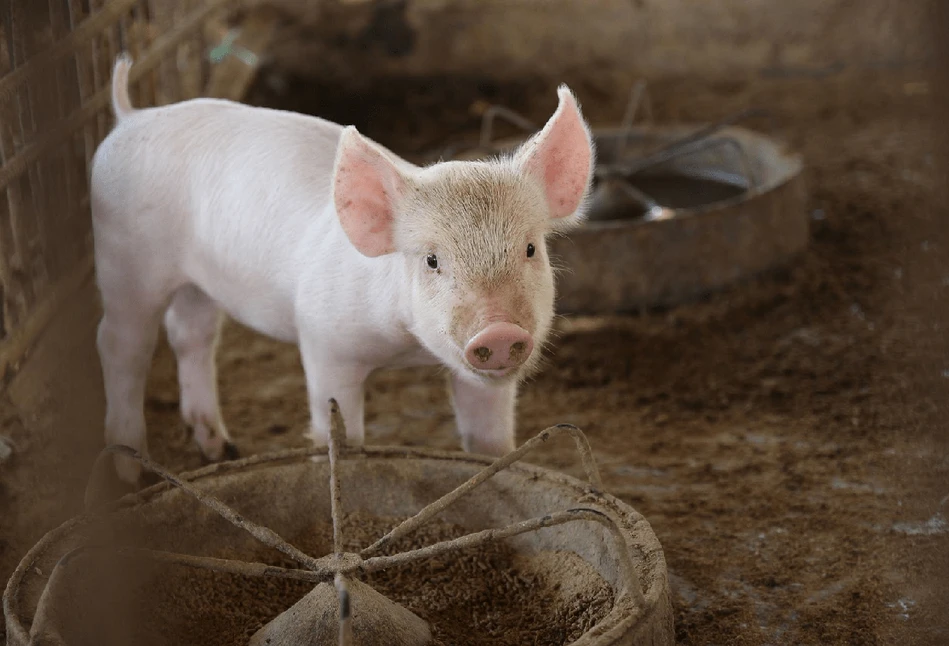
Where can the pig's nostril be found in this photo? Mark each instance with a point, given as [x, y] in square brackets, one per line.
[483, 354]
[517, 351]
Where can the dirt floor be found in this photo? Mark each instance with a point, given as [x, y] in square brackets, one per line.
[778, 436]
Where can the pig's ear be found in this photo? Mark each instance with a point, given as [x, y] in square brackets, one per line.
[561, 158]
[367, 186]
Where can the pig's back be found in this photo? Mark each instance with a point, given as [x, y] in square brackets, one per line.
[231, 191]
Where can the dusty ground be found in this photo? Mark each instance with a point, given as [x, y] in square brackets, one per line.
[783, 438]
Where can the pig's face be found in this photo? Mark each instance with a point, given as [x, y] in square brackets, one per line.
[474, 241]
[473, 238]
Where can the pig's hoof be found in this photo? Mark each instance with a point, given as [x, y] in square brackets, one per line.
[127, 469]
[215, 446]
[227, 451]
[231, 452]
[318, 441]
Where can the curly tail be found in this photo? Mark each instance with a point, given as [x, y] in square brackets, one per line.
[121, 102]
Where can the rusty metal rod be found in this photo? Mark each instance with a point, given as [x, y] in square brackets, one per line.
[263, 534]
[410, 524]
[636, 96]
[675, 148]
[225, 566]
[337, 440]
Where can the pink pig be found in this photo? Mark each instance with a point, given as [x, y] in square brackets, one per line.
[310, 233]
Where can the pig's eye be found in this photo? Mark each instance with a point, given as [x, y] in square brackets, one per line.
[432, 261]
[530, 251]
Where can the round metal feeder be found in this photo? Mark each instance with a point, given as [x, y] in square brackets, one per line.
[677, 211]
[74, 587]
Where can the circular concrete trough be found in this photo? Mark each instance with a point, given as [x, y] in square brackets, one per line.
[47, 601]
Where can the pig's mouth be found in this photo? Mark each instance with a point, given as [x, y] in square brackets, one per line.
[495, 374]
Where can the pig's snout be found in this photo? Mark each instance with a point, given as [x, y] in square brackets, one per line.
[500, 346]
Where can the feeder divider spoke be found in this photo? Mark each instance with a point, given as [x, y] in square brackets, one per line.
[750, 173]
[675, 148]
[750, 176]
[229, 566]
[636, 96]
[263, 534]
[337, 440]
[436, 507]
[651, 206]
[226, 566]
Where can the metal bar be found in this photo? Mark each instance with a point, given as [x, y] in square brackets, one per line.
[750, 175]
[337, 440]
[225, 566]
[629, 117]
[674, 148]
[425, 514]
[706, 144]
[650, 205]
[263, 534]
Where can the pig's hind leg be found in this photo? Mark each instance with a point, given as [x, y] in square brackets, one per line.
[126, 341]
[193, 323]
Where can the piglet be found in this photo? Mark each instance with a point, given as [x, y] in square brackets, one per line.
[310, 233]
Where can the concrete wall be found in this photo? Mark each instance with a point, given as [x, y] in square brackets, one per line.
[599, 40]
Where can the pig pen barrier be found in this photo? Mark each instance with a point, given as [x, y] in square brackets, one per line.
[52, 599]
[56, 59]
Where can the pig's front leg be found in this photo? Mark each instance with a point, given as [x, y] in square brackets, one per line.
[328, 378]
[485, 415]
